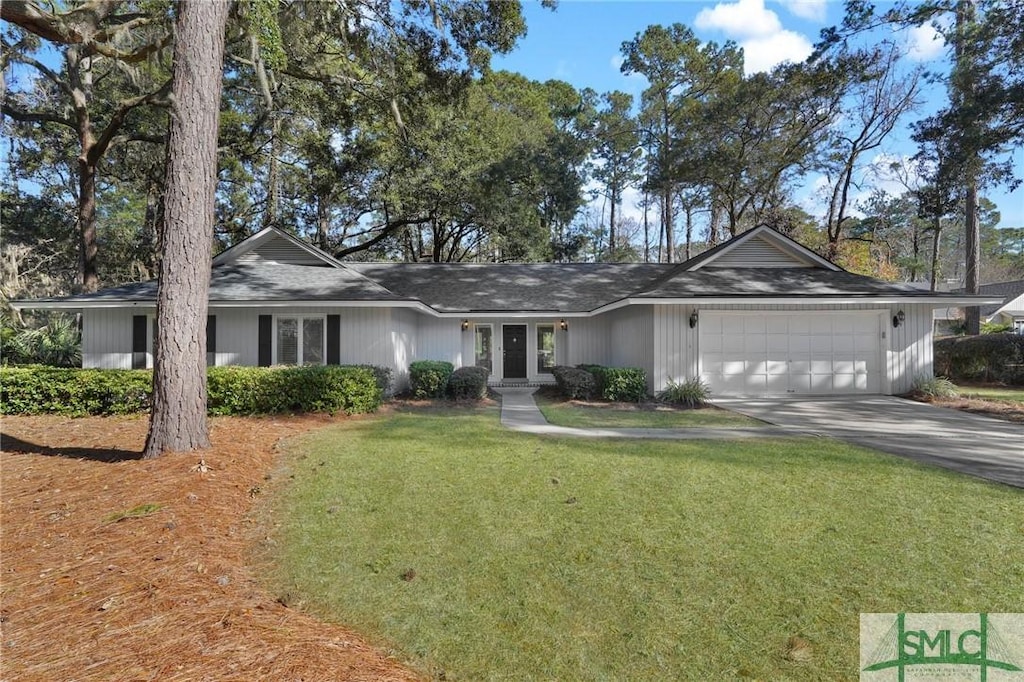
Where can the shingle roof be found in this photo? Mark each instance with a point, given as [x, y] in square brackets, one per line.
[264, 282]
[1008, 290]
[555, 287]
[791, 282]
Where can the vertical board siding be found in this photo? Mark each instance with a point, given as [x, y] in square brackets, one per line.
[674, 345]
[632, 339]
[589, 341]
[404, 325]
[439, 339]
[107, 337]
[910, 345]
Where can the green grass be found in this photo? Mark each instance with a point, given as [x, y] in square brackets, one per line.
[993, 393]
[578, 559]
[619, 415]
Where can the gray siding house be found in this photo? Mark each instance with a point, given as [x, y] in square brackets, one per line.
[760, 315]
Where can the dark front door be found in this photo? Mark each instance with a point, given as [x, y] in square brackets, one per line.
[514, 344]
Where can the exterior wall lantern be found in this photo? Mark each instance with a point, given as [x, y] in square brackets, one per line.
[693, 319]
[465, 325]
[563, 325]
[898, 318]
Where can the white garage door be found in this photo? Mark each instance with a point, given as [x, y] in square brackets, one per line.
[769, 353]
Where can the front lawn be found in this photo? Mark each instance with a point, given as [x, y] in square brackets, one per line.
[999, 394]
[481, 553]
[630, 415]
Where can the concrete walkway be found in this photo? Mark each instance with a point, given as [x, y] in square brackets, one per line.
[969, 443]
[519, 412]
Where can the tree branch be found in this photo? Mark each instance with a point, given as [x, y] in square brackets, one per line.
[36, 116]
[117, 120]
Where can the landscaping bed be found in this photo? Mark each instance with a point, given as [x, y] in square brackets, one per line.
[645, 414]
[998, 402]
[121, 568]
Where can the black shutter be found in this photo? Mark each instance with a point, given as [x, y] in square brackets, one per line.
[139, 342]
[334, 339]
[211, 339]
[266, 334]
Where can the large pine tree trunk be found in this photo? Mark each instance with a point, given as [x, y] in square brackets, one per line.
[178, 419]
[972, 315]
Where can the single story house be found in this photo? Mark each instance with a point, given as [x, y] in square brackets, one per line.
[759, 315]
[1007, 308]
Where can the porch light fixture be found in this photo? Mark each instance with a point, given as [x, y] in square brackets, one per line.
[898, 318]
[693, 319]
[465, 325]
[563, 325]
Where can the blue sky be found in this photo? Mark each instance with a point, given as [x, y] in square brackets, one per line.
[580, 43]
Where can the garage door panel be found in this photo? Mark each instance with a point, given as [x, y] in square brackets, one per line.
[799, 345]
[754, 343]
[759, 353]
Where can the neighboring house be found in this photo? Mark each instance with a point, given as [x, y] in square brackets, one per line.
[1008, 307]
[1011, 313]
[758, 315]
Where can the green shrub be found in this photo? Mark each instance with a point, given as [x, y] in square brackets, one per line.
[468, 383]
[57, 343]
[429, 378]
[36, 389]
[934, 387]
[382, 375]
[690, 393]
[625, 384]
[232, 390]
[996, 358]
[574, 383]
[269, 390]
[996, 328]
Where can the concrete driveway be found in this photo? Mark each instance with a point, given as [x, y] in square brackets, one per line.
[975, 445]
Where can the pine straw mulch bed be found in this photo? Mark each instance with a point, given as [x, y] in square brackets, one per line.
[1010, 412]
[167, 593]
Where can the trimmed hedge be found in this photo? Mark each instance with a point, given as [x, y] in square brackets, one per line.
[989, 357]
[232, 390]
[38, 389]
[574, 383]
[468, 383]
[268, 390]
[429, 378]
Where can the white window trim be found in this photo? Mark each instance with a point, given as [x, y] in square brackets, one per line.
[493, 347]
[300, 318]
[536, 341]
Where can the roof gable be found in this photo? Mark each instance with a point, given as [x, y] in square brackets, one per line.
[761, 247]
[272, 245]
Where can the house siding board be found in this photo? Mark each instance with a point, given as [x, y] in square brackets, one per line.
[280, 250]
[403, 334]
[588, 341]
[632, 339]
[910, 346]
[107, 337]
[674, 345]
[756, 253]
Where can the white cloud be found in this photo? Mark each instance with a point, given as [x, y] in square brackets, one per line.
[924, 43]
[741, 19]
[759, 32]
[762, 54]
[806, 9]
